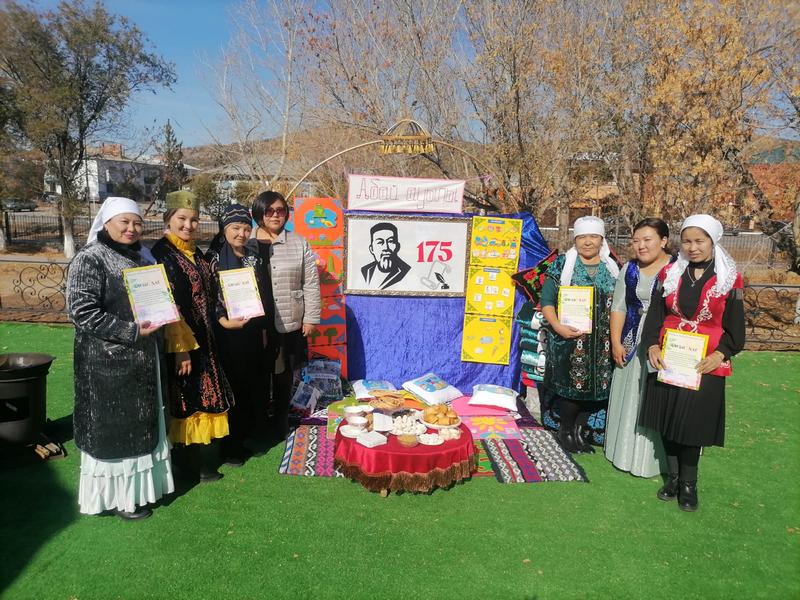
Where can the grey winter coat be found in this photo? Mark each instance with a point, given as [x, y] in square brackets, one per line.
[295, 281]
[116, 394]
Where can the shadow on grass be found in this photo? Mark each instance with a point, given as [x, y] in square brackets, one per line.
[34, 508]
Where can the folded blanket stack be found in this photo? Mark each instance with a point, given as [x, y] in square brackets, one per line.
[532, 343]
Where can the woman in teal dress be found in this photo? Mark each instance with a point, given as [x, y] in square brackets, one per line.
[631, 447]
[578, 366]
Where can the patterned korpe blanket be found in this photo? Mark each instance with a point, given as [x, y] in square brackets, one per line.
[536, 457]
[309, 452]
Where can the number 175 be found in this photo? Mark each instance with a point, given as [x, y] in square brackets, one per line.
[444, 254]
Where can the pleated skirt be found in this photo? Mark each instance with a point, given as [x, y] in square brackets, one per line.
[628, 445]
[691, 417]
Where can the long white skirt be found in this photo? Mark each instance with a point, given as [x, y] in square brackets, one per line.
[125, 483]
[629, 446]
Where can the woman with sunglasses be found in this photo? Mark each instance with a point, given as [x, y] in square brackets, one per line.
[289, 266]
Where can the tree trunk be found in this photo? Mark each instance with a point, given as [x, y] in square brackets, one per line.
[795, 256]
[3, 240]
[69, 237]
[563, 226]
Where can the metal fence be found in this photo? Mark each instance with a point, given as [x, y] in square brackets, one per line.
[48, 229]
[749, 250]
[772, 312]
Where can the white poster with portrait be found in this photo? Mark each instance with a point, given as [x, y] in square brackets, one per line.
[397, 255]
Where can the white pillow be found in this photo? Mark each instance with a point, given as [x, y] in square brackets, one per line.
[432, 389]
[363, 388]
[487, 394]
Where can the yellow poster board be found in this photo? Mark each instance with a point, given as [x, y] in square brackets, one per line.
[495, 242]
[490, 291]
[486, 339]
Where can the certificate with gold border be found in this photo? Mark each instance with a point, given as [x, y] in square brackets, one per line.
[150, 295]
[681, 351]
[575, 306]
[240, 292]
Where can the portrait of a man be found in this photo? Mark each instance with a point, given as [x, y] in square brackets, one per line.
[387, 268]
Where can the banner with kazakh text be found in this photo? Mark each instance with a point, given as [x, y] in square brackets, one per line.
[404, 194]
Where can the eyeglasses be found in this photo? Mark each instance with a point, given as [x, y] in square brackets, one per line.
[278, 212]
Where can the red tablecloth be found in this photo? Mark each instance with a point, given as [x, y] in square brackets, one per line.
[397, 468]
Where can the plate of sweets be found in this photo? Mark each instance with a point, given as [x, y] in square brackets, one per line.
[440, 416]
[430, 439]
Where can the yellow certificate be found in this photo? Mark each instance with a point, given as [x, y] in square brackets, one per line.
[240, 292]
[680, 353]
[575, 306]
[150, 295]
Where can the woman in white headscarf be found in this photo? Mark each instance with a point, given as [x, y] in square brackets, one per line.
[579, 366]
[701, 293]
[118, 418]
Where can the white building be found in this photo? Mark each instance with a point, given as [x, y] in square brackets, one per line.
[107, 172]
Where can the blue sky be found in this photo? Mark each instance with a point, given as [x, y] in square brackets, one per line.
[183, 32]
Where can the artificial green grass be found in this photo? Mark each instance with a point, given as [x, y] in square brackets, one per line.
[257, 534]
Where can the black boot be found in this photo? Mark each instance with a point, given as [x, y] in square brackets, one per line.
[687, 496]
[208, 462]
[581, 441]
[566, 437]
[669, 491]
[140, 513]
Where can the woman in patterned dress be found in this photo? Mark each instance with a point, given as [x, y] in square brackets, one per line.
[578, 366]
[198, 393]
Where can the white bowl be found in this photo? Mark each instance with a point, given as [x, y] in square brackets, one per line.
[366, 408]
[357, 421]
[354, 411]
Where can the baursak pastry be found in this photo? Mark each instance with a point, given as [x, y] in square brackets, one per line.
[440, 414]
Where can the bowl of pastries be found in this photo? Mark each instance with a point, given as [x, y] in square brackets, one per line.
[387, 402]
[440, 416]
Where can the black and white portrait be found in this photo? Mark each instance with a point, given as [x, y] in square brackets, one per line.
[386, 268]
[405, 255]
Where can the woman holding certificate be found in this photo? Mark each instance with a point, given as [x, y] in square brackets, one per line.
[241, 330]
[119, 415]
[694, 326]
[576, 301]
[629, 446]
[289, 265]
[199, 394]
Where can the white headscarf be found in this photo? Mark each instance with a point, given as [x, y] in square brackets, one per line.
[588, 226]
[111, 207]
[724, 265]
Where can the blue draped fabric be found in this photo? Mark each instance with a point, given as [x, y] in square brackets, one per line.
[400, 338]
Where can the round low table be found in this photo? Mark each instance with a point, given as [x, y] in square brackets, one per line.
[395, 468]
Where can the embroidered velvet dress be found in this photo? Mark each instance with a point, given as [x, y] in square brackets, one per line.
[580, 369]
[694, 417]
[628, 445]
[244, 353]
[198, 402]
